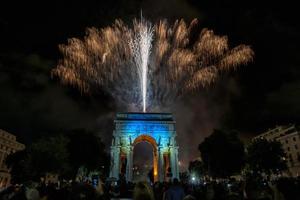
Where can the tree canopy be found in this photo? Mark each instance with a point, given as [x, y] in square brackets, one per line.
[266, 156]
[62, 154]
[222, 153]
[87, 150]
[196, 168]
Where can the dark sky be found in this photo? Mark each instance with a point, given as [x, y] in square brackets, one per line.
[263, 94]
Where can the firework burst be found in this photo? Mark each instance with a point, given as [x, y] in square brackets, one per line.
[156, 63]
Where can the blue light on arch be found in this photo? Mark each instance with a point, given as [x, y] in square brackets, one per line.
[159, 126]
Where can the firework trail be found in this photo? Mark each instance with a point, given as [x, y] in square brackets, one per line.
[162, 62]
[140, 47]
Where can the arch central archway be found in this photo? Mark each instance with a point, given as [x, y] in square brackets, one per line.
[152, 142]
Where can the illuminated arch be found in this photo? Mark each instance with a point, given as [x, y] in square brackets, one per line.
[158, 129]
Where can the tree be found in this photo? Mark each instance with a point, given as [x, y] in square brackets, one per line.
[266, 156]
[49, 155]
[62, 155]
[222, 153]
[196, 168]
[43, 156]
[19, 166]
[88, 151]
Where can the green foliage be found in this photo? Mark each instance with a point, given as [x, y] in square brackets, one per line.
[266, 156]
[62, 155]
[222, 153]
[19, 165]
[196, 168]
[49, 155]
[45, 155]
[88, 151]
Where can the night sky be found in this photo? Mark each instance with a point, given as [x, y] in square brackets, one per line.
[252, 99]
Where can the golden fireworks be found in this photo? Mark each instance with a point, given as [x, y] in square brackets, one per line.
[178, 63]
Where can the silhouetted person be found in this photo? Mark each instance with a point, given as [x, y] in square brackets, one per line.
[189, 197]
[175, 192]
[142, 191]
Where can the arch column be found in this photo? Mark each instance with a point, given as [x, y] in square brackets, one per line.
[160, 165]
[129, 165]
[115, 162]
[174, 162]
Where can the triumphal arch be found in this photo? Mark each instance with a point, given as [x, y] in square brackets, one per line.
[158, 129]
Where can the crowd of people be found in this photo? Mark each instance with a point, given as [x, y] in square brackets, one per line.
[281, 189]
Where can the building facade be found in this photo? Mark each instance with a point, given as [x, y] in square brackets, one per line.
[289, 137]
[8, 145]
